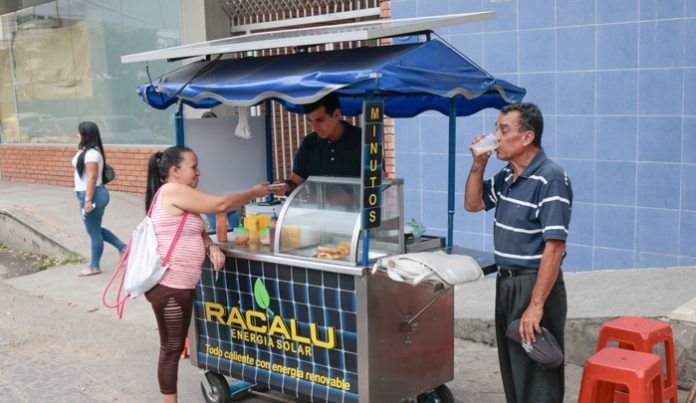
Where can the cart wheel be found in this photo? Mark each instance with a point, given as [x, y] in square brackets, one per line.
[219, 388]
[441, 394]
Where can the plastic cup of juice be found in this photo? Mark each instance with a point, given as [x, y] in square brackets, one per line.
[484, 145]
[241, 235]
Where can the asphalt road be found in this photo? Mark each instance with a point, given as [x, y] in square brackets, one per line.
[54, 351]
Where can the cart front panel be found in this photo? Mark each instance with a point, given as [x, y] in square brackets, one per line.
[289, 328]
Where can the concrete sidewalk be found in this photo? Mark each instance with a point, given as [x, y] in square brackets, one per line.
[46, 219]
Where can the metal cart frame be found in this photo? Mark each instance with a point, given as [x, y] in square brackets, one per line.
[396, 360]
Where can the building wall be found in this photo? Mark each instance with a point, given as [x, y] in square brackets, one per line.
[60, 65]
[200, 20]
[616, 82]
[51, 165]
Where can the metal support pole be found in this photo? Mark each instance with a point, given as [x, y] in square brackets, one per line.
[452, 154]
[269, 141]
[179, 124]
[269, 145]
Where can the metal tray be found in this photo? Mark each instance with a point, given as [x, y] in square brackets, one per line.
[425, 242]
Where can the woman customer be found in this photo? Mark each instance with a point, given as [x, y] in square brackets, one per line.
[172, 177]
[89, 165]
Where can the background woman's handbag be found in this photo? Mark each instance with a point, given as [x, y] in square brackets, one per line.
[144, 267]
[109, 174]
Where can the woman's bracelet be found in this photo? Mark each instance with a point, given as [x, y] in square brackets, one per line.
[209, 246]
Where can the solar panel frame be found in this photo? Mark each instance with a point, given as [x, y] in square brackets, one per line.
[357, 31]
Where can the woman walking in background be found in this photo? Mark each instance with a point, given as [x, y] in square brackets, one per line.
[89, 165]
[172, 177]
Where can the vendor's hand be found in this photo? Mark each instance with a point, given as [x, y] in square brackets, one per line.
[261, 190]
[279, 188]
[530, 323]
[217, 257]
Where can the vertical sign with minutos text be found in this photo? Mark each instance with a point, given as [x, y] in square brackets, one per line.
[373, 136]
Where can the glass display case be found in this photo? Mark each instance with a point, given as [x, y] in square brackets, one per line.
[321, 221]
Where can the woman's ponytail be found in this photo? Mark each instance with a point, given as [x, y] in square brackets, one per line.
[154, 180]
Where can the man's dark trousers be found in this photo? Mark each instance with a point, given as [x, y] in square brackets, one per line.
[523, 379]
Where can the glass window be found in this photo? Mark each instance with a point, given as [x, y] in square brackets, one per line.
[60, 64]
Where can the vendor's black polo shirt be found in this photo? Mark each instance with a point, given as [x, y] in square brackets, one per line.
[320, 157]
[528, 211]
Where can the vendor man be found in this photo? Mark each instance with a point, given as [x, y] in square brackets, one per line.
[532, 197]
[332, 149]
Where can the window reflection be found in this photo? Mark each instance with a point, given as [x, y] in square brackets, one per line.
[60, 64]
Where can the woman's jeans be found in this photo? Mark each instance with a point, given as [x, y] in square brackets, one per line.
[93, 224]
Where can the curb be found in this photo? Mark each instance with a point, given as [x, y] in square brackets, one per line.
[581, 339]
[18, 233]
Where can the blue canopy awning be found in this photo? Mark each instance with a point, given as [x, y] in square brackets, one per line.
[409, 78]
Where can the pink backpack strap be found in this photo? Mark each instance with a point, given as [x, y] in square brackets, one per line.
[176, 237]
[154, 200]
[120, 302]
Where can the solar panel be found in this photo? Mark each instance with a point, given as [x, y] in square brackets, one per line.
[358, 31]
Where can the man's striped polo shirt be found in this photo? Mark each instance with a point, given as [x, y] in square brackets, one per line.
[529, 211]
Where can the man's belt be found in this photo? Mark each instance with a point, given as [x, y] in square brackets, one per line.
[505, 273]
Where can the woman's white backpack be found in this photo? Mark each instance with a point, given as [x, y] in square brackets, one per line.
[144, 266]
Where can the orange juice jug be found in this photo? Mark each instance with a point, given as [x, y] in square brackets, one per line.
[251, 222]
[264, 220]
[221, 227]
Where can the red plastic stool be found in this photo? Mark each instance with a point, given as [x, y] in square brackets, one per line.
[640, 373]
[641, 334]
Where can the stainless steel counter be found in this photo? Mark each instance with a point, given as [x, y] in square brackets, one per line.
[264, 254]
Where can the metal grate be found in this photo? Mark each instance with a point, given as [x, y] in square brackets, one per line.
[246, 11]
[288, 131]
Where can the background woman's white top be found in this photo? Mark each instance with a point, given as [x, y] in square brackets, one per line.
[91, 155]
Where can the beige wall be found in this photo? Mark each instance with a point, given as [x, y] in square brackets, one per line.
[202, 20]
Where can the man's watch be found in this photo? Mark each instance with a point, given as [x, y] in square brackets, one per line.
[291, 186]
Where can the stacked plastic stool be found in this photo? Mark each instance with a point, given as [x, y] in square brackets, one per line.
[640, 373]
[642, 335]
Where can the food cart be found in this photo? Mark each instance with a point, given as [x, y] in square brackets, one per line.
[306, 316]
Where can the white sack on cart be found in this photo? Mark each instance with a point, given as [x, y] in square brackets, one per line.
[431, 267]
[243, 130]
